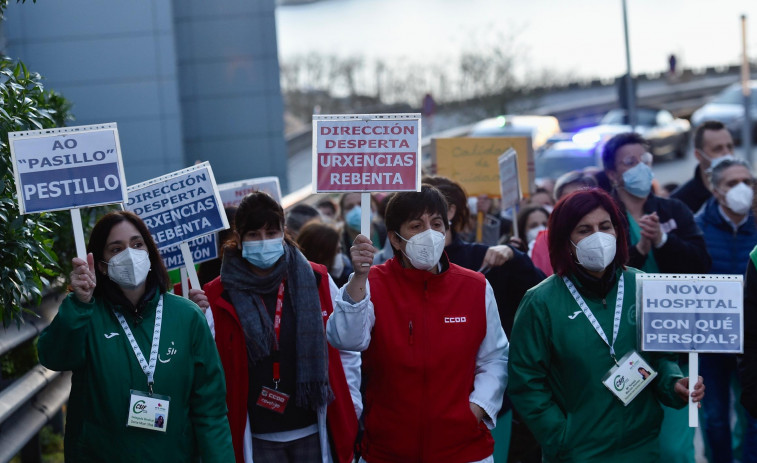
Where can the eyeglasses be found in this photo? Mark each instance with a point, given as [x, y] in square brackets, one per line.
[631, 161]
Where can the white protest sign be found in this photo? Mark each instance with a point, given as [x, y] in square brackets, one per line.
[690, 313]
[179, 206]
[509, 184]
[366, 153]
[686, 313]
[67, 168]
[233, 192]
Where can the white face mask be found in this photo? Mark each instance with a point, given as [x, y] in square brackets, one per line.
[739, 198]
[531, 234]
[337, 267]
[424, 249]
[596, 251]
[715, 161]
[129, 267]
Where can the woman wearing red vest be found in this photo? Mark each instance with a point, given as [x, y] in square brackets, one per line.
[435, 354]
[288, 394]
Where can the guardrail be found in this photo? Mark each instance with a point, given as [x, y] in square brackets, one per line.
[31, 401]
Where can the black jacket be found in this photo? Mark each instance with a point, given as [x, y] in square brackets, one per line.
[685, 251]
[693, 193]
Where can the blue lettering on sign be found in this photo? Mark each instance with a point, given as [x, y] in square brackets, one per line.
[203, 249]
[69, 188]
[184, 222]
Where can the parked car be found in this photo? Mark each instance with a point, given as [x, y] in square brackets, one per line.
[667, 135]
[558, 157]
[539, 128]
[728, 108]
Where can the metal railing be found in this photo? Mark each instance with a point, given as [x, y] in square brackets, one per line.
[32, 400]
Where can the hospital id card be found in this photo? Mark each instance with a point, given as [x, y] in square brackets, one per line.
[148, 411]
[629, 377]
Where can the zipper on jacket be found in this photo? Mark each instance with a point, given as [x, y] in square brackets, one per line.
[604, 302]
[425, 290]
[410, 332]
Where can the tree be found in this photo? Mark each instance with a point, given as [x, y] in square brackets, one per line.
[27, 260]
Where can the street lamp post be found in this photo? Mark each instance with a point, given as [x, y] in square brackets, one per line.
[630, 93]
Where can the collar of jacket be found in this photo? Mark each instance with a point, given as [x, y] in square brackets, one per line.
[118, 301]
[413, 274]
[710, 214]
[593, 287]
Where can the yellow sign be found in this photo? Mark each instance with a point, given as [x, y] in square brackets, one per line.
[472, 162]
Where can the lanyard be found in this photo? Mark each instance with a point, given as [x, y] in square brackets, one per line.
[277, 331]
[149, 369]
[593, 320]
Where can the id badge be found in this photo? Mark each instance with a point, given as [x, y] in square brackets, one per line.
[148, 411]
[273, 400]
[629, 377]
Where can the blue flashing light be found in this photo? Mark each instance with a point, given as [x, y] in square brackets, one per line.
[586, 139]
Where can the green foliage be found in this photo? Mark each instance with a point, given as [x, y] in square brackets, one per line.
[18, 361]
[27, 260]
[4, 5]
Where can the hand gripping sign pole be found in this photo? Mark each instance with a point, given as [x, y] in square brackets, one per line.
[364, 153]
[690, 313]
[68, 168]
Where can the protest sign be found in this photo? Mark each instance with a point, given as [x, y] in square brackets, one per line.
[203, 249]
[67, 168]
[688, 313]
[179, 206]
[233, 192]
[366, 153]
[509, 185]
[682, 313]
[472, 162]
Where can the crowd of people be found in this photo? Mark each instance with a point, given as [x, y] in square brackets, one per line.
[417, 342]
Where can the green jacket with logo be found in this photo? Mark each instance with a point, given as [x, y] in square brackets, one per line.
[556, 366]
[87, 339]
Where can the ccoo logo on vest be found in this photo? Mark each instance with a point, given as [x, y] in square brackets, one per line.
[67, 168]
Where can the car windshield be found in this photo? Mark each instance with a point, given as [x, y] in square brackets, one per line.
[645, 117]
[553, 163]
[733, 96]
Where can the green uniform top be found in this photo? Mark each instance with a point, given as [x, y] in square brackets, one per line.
[557, 362]
[87, 339]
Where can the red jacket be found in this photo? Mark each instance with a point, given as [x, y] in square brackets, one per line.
[420, 366]
[340, 415]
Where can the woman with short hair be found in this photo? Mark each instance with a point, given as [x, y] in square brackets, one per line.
[434, 352]
[573, 329]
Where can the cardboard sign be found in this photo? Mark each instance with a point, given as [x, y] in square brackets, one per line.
[203, 249]
[686, 313]
[509, 184]
[233, 192]
[67, 168]
[179, 206]
[472, 162]
[366, 152]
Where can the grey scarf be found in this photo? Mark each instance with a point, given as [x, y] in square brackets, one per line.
[246, 288]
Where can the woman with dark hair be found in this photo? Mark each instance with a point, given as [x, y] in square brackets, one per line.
[570, 333]
[320, 243]
[288, 397]
[118, 310]
[435, 355]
